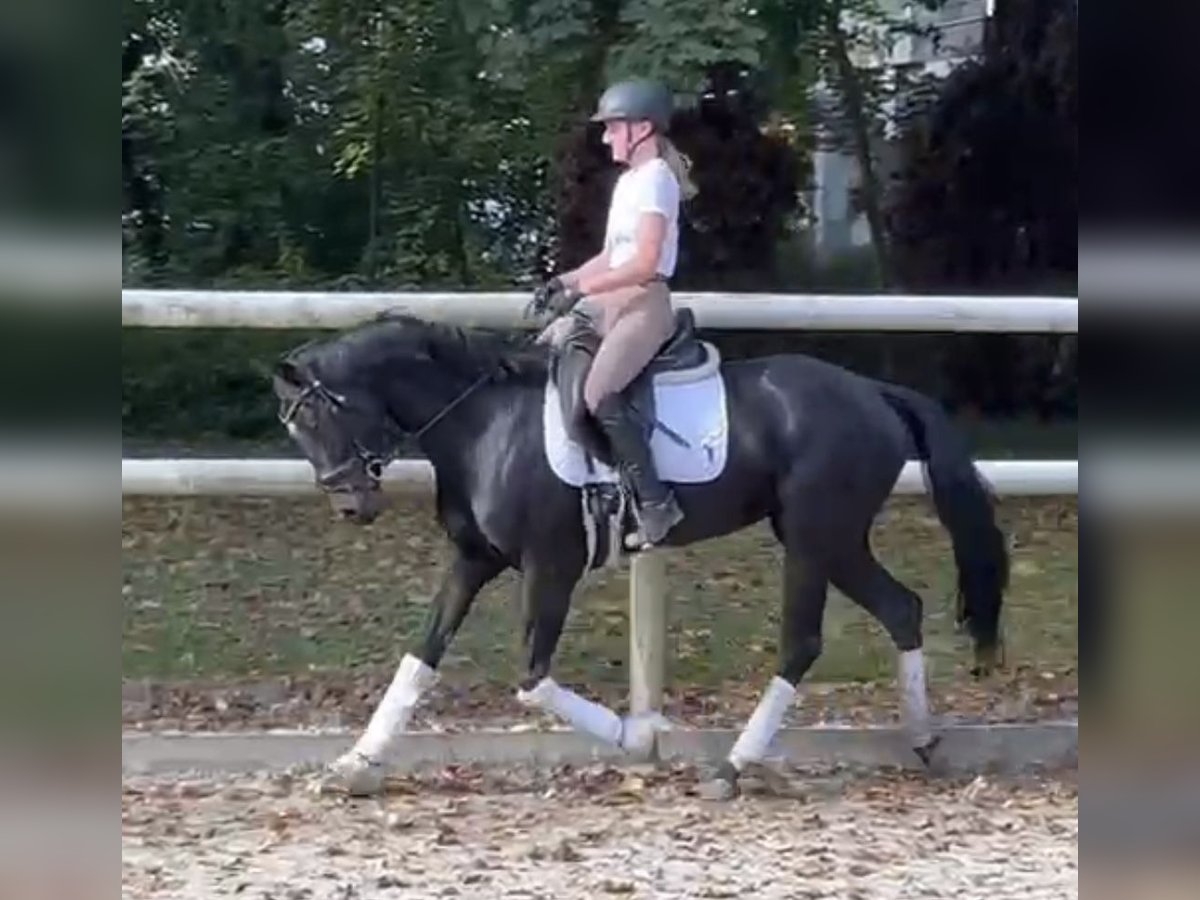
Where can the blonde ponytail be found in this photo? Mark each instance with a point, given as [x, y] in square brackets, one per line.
[680, 166]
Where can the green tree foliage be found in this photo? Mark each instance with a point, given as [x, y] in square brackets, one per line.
[444, 144]
[747, 177]
[210, 155]
[393, 143]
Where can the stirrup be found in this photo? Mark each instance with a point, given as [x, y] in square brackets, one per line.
[671, 515]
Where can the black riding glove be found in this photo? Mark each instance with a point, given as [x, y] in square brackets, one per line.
[555, 297]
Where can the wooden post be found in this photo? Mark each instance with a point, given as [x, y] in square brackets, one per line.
[647, 631]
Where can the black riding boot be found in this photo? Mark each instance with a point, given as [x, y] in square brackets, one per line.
[658, 512]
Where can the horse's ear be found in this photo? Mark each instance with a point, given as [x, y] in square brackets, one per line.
[289, 372]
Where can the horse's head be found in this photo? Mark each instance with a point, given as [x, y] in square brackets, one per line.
[342, 428]
[348, 401]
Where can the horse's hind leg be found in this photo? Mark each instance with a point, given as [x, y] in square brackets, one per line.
[805, 588]
[860, 576]
[360, 771]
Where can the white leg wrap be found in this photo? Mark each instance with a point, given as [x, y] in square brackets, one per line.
[915, 700]
[754, 740]
[391, 717]
[582, 714]
[641, 730]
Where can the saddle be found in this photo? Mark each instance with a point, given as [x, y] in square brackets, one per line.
[684, 360]
[572, 361]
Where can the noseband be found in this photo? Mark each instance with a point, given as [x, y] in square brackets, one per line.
[372, 462]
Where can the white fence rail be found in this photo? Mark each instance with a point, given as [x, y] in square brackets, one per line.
[291, 477]
[818, 312]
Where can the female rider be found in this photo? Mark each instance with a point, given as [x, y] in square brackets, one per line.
[623, 289]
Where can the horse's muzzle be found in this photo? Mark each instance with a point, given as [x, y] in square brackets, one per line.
[361, 507]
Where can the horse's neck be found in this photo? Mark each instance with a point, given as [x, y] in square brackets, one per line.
[451, 442]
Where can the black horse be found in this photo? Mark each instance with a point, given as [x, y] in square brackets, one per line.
[812, 447]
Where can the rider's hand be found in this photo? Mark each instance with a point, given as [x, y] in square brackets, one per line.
[554, 296]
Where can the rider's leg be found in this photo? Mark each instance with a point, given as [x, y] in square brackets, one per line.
[631, 340]
[632, 337]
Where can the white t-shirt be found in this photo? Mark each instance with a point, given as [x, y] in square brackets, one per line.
[650, 187]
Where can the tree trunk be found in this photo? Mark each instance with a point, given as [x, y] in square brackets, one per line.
[854, 105]
[376, 192]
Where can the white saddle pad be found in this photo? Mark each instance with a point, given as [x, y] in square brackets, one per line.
[690, 402]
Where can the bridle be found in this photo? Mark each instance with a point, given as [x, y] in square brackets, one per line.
[372, 462]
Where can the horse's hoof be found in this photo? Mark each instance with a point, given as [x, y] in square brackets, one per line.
[641, 731]
[776, 778]
[718, 790]
[354, 774]
[925, 751]
[723, 785]
[634, 544]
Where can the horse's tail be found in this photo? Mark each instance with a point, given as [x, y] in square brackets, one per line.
[964, 506]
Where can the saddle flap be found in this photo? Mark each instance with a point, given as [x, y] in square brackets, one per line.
[569, 369]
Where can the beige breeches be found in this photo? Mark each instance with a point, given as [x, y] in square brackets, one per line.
[630, 338]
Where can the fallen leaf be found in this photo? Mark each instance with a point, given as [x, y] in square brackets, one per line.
[610, 886]
[397, 822]
[564, 852]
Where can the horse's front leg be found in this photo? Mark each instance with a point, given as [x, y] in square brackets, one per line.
[546, 587]
[361, 770]
[546, 597]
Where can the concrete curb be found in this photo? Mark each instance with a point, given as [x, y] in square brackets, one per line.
[964, 749]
